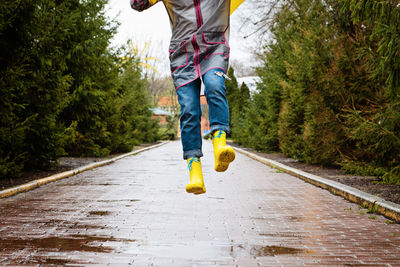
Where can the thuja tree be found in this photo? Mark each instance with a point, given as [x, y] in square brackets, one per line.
[330, 86]
[232, 91]
[133, 122]
[374, 125]
[33, 81]
[61, 87]
[313, 87]
[261, 117]
[94, 70]
[108, 109]
[311, 76]
[238, 118]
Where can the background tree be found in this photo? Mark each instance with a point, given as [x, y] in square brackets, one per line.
[62, 89]
[232, 93]
[135, 124]
[373, 125]
[34, 81]
[329, 90]
[92, 66]
[239, 114]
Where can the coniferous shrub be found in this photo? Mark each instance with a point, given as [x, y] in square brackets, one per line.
[374, 125]
[232, 92]
[330, 86]
[239, 133]
[63, 90]
[33, 82]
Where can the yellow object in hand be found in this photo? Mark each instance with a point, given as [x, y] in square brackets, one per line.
[234, 4]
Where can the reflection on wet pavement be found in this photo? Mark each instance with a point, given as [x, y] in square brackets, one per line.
[136, 212]
[72, 243]
[57, 245]
[99, 212]
[260, 251]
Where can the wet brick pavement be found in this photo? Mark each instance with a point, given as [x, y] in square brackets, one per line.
[136, 212]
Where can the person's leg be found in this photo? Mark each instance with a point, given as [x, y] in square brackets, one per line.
[189, 100]
[215, 91]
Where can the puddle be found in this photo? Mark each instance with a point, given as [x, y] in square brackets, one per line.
[99, 213]
[285, 234]
[71, 225]
[68, 210]
[85, 226]
[52, 261]
[260, 251]
[53, 222]
[38, 261]
[62, 244]
[210, 251]
[284, 218]
[295, 218]
[117, 200]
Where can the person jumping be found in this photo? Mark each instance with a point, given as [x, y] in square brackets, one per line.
[199, 52]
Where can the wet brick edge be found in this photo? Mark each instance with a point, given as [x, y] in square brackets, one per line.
[381, 206]
[39, 182]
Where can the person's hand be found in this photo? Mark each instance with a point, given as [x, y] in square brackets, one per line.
[140, 5]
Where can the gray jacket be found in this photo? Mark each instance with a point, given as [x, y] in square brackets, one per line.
[200, 36]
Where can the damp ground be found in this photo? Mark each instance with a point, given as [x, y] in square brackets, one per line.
[368, 184]
[136, 212]
[63, 164]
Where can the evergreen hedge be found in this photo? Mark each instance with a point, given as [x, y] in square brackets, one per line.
[63, 90]
[330, 87]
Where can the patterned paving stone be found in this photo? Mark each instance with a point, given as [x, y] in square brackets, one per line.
[136, 212]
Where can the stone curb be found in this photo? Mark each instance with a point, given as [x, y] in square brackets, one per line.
[381, 206]
[39, 182]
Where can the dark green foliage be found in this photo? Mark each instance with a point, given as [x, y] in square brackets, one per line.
[243, 100]
[380, 20]
[330, 87]
[95, 74]
[232, 92]
[133, 108]
[33, 82]
[374, 124]
[238, 120]
[170, 131]
[62, 89]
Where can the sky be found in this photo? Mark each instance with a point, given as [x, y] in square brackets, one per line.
[153, 25]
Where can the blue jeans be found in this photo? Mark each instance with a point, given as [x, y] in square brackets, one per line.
[189, 100]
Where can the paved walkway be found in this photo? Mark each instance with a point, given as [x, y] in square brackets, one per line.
[136, 212]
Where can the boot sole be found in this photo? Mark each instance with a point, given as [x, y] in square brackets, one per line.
[221, 167]
[203, 190]
[226, 156]
[196, 189]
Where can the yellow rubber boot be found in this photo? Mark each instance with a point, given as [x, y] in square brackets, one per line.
[196, 184]
[223, 154]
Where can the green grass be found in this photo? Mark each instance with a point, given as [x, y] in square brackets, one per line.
[373, 209]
